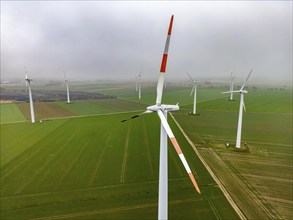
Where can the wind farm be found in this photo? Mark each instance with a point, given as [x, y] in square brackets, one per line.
[116, 152]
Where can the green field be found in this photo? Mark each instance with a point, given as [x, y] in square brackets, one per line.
[98, 167]
[10, 113]
[89, 165]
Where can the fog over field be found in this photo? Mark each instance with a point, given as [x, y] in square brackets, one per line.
[115, 40]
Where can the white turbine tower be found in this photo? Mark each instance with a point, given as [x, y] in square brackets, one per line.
[242, 106]
[194, 89]
[139, 84]
[232, 85]
[161, 110]
[28, 84]
[67, 88]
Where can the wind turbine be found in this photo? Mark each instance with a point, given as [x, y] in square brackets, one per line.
[194, 89]
[162, 110]
[138, 84]
[231, 85]
[242, 106]
[67, 87]
[28, 84]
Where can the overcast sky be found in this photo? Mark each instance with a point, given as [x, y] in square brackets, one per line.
[115, 40]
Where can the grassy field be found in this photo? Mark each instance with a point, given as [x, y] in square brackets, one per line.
[99, 168]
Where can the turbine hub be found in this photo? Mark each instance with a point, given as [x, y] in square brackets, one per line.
[169, 108]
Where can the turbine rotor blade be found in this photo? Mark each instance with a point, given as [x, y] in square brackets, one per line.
[164, 64]
[136, 116]
[246, 80]
[190, 77]
[64, 75]
[235, 91]
[177, 148]
[192, 90]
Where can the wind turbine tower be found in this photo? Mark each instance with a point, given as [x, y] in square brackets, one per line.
[242, 91]
[67, 88]
[139, 84]
[28, 84]
[194, 89]
[232, 85]
[162, 110]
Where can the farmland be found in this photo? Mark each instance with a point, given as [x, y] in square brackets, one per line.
[260, 181]
[97, 167]
[89, 165]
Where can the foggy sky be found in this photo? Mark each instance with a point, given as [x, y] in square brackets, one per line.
[116, 40]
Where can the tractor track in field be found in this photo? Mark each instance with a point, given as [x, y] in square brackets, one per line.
[175, 161]
[109, 210]
[82, 149]
[26, 158]
[258, 210]
[214, 209]
[49, 159]
[123, 168]
[149, 157]
[95, 171]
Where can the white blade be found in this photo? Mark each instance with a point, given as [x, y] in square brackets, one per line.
[64, 75]
[235, 91]
[190, 77]
[246, 80]
[136, 116]
[192, 90]
[177, 148]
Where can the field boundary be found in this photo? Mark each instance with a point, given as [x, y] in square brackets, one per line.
[223, 189]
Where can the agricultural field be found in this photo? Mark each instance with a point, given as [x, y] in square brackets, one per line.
[10, 113]
[259, 180]
[89, 165]
[99, 168]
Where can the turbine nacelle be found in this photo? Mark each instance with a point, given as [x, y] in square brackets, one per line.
[169, 108]
[236, 91]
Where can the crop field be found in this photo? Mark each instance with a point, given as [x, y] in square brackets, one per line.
[259, 180]
[10, 113]
[99, 168]
[95, 167]
[50, 110]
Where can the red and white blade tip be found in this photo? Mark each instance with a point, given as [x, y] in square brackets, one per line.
[165, 55]
[177, 148]
[183, 160]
